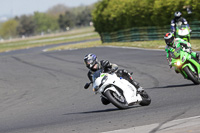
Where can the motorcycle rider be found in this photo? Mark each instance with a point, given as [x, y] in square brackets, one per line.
[172, 42]
[93, 65]
[178, 18]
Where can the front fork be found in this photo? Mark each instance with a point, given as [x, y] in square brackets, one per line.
[191, 68]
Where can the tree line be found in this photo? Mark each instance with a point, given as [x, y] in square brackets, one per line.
[115, 15]
[58, 18]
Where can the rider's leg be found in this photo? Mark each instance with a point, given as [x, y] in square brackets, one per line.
[126, 75]
[136, 84]
[195, 55]
[176, 70]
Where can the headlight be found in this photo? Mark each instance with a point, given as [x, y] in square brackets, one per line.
[95, 88]
[178, 63]
[102, 82]
[104, 79]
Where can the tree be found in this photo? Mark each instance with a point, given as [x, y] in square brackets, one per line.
[84, 17]
[66, 20]
[8, 29]
[57, 10]
[45, 22]
[26, 25]
[115, 15]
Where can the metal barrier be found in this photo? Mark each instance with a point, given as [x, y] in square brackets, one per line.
[145, 33]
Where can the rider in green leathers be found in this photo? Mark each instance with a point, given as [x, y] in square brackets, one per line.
[172, 42]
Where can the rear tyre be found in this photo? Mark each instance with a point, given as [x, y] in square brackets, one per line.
[192, 76]
[116, 100]
[146, 100]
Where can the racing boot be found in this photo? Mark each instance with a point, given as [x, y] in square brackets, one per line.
[128, 77]
[136, 84]
[176, 70]
[197, 55]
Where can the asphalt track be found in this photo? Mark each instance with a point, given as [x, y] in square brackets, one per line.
[42, 92]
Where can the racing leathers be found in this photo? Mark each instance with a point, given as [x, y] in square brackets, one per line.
[186, 46]
[119, 72]
[175, 22]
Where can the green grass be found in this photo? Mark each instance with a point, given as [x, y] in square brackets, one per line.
[80, 35]
[157, 44]
[69, 36]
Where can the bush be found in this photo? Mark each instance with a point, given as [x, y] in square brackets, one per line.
[114, 15]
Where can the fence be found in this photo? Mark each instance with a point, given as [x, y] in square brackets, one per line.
[145, 33]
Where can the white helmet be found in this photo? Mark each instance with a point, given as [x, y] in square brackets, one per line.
[169, 39]
[90, 60]
[177, 14]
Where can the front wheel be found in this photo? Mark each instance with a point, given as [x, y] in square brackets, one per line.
[192, 76]
[146, 100]
[116, 100]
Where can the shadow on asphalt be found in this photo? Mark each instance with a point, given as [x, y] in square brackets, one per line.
[101, 111]
[173, 86]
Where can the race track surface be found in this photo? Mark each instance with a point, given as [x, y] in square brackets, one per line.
[42, 92]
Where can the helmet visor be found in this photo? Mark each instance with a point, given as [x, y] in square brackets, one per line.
[169, 41]
[89, 63]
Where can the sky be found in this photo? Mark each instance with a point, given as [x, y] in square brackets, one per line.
[13, 8]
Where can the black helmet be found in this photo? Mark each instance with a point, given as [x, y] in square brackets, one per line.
[169, 39]
[90, 60]
[177, 15]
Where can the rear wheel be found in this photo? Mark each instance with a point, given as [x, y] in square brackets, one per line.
[115, 99]
[146, 100]
[192, 76]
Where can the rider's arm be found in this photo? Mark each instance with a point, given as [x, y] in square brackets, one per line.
[186, 23]
[186, 46]
[107, 66]
[90, 75]
[90, 78]
[114, 67]
[173, 26]
[167, 49]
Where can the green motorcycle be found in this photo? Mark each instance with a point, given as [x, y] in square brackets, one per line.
[185, 64]
[183, 31]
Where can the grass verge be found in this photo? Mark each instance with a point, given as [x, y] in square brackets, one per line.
[37, 41]
[157, 44]
[80, 35]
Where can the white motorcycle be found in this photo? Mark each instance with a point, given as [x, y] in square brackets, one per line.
[118, 91]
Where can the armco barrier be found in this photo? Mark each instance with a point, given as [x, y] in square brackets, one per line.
[145, 33]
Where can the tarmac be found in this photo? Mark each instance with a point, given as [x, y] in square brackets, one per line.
[186, 125]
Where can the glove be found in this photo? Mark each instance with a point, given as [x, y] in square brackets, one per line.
[87, 85]
[188, 50]
[125, 71]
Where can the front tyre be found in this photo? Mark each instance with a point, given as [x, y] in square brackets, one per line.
[116, 100]
[146, 100]
[192, 76]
